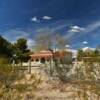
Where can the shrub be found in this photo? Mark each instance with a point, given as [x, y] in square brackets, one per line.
[21, 87]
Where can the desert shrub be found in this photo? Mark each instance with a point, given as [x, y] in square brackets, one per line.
[3, 60]
[62, 70]
[21, 87]
[5, 71]
[7, 75]
[9, 94]
[37, 80]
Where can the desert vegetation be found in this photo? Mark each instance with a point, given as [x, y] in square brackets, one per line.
[59, 80]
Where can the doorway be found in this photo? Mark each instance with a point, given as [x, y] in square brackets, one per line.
[42, 60]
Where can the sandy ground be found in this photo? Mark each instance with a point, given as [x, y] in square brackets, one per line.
[53, 90]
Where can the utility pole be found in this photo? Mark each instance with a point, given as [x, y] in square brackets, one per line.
[13, 62]
[52, 58]
[29, 66]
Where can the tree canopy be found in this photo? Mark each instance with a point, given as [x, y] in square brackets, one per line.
[8, 50]
[5, 47]
[20, 49]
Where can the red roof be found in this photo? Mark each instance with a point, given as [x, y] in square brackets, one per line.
[48, 54]
[44, 53]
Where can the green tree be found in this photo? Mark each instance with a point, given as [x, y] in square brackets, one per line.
[21, 50]
[80, 55]
[96, 52]
[5, 48]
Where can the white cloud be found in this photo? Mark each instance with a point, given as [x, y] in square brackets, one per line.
[34, 19]
[47, 17]
[93, 26]
[85, 42]
[86, 30]
[76, 29]
[30, 43]
[67, 46]
[73, 30]
[14, 34]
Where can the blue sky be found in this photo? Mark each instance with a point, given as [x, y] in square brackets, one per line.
[77, 20]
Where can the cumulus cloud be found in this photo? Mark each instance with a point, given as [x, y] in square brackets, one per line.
[47, 17]
[86, 30]
[76, 29]
[67, 46]
[73, 30]
[34, 19]
[85, 42]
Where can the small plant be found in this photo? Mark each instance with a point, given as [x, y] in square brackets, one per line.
[36, 80]
[21, 87]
